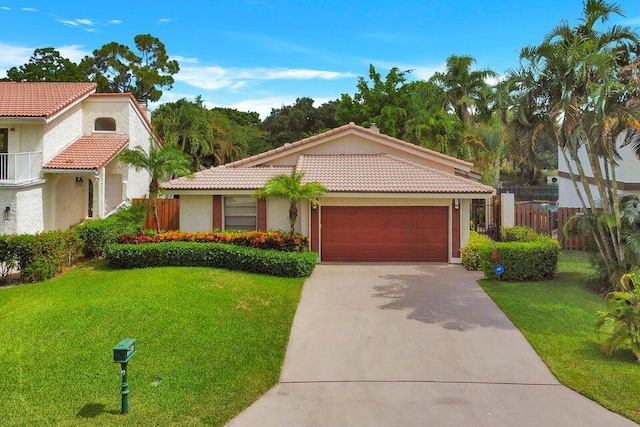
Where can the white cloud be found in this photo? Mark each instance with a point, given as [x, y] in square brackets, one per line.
[13, 56]
[73, 52]
[214, 77]
[29, 9]
[164, 20]
[75, 22]
[262, 106]
[67, 22]
[5, 8]
[114, 21]
[184, 59]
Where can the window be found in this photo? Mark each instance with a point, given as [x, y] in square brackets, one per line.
[240, 213]
[105, 124]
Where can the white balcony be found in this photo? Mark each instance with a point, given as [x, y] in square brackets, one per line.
[20, 168]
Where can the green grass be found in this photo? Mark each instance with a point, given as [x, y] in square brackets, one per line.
[216, 338]
[558, 318]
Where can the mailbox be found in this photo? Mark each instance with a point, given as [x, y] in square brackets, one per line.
[123, 351]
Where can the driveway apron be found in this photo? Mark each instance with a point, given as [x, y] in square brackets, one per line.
[412, 345]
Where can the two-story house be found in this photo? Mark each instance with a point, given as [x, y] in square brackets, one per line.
[58, 154]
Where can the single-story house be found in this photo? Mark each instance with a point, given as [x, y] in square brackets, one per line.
[58, 154]
[388, 200]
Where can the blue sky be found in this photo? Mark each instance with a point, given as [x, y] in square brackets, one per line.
[255, 55]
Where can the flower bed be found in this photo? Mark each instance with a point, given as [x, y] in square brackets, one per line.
[274, 240]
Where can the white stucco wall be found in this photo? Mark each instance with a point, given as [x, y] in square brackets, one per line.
[8, 199]
[25, 138]
[29, 211]
[626, 172]
[61, 132]
[196, 213]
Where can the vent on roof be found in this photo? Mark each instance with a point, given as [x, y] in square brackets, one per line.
[374, 127]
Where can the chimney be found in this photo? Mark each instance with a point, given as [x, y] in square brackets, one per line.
[374, 128]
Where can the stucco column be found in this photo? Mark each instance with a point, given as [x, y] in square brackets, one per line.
[507, 209]
[99, 194]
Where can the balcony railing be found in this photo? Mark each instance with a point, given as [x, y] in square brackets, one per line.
[17, 168]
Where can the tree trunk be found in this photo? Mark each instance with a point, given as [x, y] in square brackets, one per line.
[153, 199]
[293, 215]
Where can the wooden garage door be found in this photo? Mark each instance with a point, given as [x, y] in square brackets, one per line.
[384, 233]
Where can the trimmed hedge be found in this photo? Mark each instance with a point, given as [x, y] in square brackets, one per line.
[219, 255]
[522, 261]
[470, 258]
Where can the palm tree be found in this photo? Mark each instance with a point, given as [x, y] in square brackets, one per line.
[466, 89]
[290, 187]
[161, 163]
[575, 93]
[185, 124]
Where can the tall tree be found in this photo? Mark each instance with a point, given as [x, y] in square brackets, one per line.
[187, 125]
[290, 187]
[167, 161]
[577, 94]
[47, 65]
[294, 122]
[466, 89]
[381, 101]
[116, 68]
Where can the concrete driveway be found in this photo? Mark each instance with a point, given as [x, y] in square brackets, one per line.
[412, 345]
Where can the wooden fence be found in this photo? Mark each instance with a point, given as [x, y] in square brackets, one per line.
[575, 243]
[550, 223]
[168, 214]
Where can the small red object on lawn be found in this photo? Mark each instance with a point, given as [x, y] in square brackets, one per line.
[494, 255]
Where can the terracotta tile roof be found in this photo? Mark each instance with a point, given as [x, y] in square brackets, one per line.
[366, 173]
[350, 128]
[226, 178]
[89, 152]
[39, 99]
[382, 173]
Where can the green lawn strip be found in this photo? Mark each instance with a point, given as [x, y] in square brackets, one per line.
[558, 318]
[216, 338]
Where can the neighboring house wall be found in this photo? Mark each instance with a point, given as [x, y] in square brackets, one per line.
[626, 174]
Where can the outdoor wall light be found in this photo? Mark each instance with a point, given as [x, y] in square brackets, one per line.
[7, 213]
[12, 129]
[79, 181]
[456, 203]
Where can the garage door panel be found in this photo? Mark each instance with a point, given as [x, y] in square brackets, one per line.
[384, 233]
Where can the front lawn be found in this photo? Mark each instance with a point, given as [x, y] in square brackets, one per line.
[558, 318]
[209, 342]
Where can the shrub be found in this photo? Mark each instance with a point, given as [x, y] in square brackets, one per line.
[275, 240]
[622, 319]
[519, 233]
[277, 263]
[8, 260]
[470, 259]
[98, 233]
[522, 261]
[41, 256]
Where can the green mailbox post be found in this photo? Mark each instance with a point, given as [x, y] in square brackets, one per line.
[122, 352]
